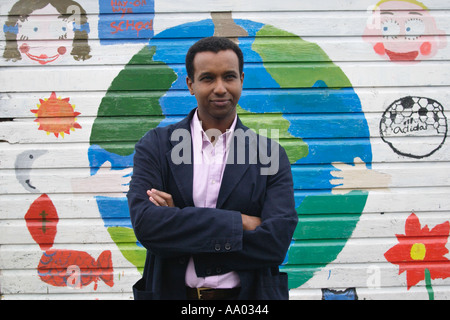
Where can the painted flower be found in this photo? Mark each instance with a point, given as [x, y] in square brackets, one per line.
[420, 252]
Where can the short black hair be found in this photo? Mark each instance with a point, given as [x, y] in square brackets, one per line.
[213, 44]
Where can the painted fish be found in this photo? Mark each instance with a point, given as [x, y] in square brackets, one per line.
[75, 269]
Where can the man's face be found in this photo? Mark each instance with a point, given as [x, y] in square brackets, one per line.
[217, 86]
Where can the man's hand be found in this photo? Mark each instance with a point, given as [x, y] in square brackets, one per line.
[249, 223]
[160, 198]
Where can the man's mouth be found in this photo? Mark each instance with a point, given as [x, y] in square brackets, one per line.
[402, 56]
[43, 58]
[220, 102]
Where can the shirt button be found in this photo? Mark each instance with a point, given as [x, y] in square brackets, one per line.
[217, 247]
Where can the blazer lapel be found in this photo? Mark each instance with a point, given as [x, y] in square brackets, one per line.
[182, 172]
[243, 141]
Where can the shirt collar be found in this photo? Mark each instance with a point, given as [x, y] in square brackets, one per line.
[199, 136]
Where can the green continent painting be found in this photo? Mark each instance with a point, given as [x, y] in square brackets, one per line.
[291, 85]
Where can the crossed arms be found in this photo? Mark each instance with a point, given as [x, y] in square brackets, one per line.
[160, 198]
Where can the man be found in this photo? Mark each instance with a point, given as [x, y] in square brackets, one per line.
[211, 201]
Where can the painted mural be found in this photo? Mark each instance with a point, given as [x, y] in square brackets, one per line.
[60, 267]
[169, 79]
[404, 31]
[369, 159]
[420, 253]
[126, 21]
[56, 115]
[414, 116]
[25, 28]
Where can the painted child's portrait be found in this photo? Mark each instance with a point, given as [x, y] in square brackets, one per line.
[31, 24]
[404, 31]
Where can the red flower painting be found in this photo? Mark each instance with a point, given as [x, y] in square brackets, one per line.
[420, 252]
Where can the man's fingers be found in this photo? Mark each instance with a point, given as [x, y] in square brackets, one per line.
[156, 199]
[160, 198]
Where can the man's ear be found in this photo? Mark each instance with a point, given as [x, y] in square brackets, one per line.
[189, 83]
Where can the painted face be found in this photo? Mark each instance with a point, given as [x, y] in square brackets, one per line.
[40, 27]
[404, 31]
[217, 85]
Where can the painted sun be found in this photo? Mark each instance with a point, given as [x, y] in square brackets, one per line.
[56, 115]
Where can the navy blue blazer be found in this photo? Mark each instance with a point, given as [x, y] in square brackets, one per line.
[214, 237]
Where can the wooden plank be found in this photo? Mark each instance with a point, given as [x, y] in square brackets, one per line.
[310, 227]
[267, 5]
[303, 23]
[395, 201]
[312, 252]
[27, 256]
[191, 6]
[306, 177]
[26, 283]
[111, 129]
[371, 226]
[71, 296]
[399, 175]
[70, 231]
[384, 293]
[100, 54]
[74, 206]
[87, 78]
[299, 101]
[383, 201]
[76, 155]
[338, 49]
[374, 276]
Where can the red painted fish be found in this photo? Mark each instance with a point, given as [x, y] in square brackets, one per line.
[75, 269]
[59, 267]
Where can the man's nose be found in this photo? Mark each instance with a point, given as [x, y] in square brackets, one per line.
[220, 88]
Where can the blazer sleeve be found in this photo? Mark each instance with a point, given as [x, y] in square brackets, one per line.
[267, 245]
[170, 232]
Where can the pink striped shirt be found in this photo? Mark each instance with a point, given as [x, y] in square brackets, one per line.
[209, 164]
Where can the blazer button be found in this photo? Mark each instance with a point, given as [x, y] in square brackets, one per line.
[217, 247]
[208, 272]
[218, 270]
[227, 246]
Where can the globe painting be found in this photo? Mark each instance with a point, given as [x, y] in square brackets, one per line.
[290, 85]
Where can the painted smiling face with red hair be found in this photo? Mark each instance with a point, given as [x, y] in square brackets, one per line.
[404, 30]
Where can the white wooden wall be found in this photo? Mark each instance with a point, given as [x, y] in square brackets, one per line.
[395, 184]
